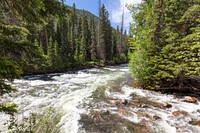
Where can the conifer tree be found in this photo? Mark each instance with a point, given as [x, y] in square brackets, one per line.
[99, 29]
[93, 40]
[72, 34]
[114, 44]
[118, 41]
[52, 53]
[102, 34]
[84, 33]
[78, 41]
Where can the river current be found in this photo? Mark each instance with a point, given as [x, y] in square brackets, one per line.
[92, 100]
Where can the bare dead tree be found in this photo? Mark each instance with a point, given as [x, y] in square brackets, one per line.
[121, 35]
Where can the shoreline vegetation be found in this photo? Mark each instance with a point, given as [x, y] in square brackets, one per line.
[165, 45]
[72, 68]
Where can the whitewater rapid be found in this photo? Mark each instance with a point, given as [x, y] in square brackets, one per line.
[78, 92]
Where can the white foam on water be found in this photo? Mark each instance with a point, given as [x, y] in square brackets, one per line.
[110, 69]
[134, 118]
[67, 93]
[71, 93]
[168, 123]
[165, 127]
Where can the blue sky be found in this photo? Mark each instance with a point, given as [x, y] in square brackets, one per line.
[114, 7]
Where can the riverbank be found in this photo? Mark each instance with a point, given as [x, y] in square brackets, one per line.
[71, 67]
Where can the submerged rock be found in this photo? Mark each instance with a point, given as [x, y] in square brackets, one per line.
[135, 84]
[111, 123]
[190, 99]
[179, 112]
[167, 105]
[125, 102]
[195, 122]
[123, 112]
[156, 117]
[113, 103]
[138, 101]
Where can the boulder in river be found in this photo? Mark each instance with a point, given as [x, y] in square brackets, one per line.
[195, 122]
[156, 117]
[112, 123]
[178, 112]
[114, 102]
[123, 112]
[125, 102]
[190, 99]
[135, 85]
[166, 105]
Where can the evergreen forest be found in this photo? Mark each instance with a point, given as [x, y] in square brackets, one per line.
[165, 45]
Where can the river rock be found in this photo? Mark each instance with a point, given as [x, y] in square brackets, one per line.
[156, 117]
[125, 102]
[123, 112]
[178, 112]
[166, 105]
[114, 103]
[195, 122]
[190, 99]
[135, 85]
[97, 118]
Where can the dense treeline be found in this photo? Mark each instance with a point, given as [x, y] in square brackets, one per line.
[165, 47]
[41, 36]
[71, 39]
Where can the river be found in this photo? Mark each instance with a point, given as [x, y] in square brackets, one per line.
[104, 100]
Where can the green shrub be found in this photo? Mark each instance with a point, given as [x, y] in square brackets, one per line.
[48, 122]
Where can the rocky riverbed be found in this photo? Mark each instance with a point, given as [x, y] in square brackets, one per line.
[104, 100]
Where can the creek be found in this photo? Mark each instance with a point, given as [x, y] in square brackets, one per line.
[104, 100]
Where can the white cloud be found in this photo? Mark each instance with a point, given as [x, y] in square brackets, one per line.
[116, 11]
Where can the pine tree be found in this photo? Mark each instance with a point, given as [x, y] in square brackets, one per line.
[93, 40]
[108, 38]
[73, 34]
[114, 44]
[63, 40]
[52, 53]
[78, 41]
[99, 29]
[118, 41]
[102, 35]
[84, 33]
[126, 44]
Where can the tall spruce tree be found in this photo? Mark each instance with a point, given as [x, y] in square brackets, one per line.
[93, 40]
[72, 34]
[99, 29]
[84, 33]
[102, 34]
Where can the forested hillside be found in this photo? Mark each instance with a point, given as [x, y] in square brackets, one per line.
[165, 47]
[58, 36]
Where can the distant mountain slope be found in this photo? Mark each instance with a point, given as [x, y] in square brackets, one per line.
[81, 11]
